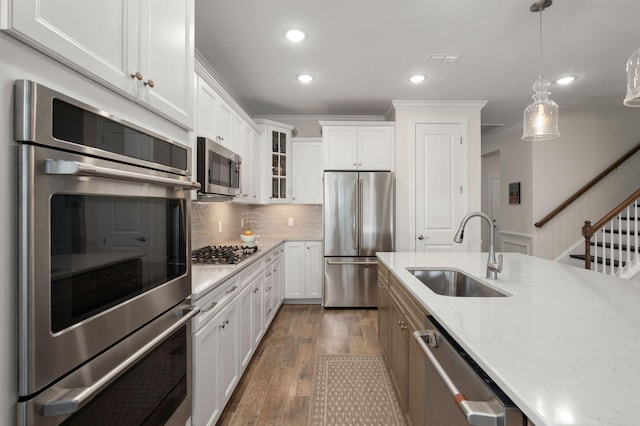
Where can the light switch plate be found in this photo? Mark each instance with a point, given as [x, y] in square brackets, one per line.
[290, 222]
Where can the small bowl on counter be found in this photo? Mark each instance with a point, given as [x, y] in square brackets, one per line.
[248, 239]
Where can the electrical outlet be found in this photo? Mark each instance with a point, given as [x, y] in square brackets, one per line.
[290, 222]
[220, 227]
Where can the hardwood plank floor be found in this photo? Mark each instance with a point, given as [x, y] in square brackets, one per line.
[276, 386]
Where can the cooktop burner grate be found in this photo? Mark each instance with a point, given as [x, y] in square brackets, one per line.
[222, 255]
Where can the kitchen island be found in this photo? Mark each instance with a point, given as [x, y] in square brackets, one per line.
[563, 346]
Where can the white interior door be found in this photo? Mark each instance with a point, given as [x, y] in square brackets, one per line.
[440, 193]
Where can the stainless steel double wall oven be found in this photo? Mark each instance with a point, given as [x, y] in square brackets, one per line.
[104, 267]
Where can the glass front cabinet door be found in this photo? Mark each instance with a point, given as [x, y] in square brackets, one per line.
[276, 151]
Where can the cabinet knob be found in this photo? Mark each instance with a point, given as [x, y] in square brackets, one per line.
[150, 83]
[137, 75]
[355, 164]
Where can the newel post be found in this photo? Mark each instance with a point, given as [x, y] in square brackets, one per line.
[587, 233]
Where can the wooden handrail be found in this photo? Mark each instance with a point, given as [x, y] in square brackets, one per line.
[588, 186]
[588, 230]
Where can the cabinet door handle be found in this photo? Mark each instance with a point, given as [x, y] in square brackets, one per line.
[255, 290]
[150, 83]
[232, 289]
[137, 75]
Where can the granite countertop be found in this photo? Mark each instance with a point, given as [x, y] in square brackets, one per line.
[564, 346]
[205, 278]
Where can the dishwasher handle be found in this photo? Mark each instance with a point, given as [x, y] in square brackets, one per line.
[478, 413]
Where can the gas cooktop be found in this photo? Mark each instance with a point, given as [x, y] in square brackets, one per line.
[222, 255]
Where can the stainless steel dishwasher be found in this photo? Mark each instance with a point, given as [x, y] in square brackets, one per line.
[458, 392]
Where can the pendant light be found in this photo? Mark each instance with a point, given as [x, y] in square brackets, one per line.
[541, 117]
[633, 80]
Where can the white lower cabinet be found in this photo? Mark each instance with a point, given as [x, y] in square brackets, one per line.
[216, 354]
[257, 312]
[303, 270]
[229, 328]
[246, 323]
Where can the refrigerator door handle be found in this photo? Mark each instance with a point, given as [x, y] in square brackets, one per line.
[356, 219]
[333, 262]
[360, 180]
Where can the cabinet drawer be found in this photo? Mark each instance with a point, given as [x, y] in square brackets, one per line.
[250, 272]
[213, 302]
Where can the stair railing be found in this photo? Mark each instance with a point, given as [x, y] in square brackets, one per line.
[588, 186]
[621, 224]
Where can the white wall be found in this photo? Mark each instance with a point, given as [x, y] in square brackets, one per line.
[516, 225]
[407, 114]
[17, 61]
[591, 139]
[551, 171]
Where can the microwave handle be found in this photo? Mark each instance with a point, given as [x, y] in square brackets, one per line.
[71, 400]
[76, 168]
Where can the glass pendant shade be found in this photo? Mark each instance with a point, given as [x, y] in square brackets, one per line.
[633, 80]
[541, 117]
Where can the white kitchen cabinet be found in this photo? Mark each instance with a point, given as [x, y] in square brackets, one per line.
[277, 161]
[250, 175]
[303, 270]
[245, 335]
[358, 145]
[216, 119]
[216, 353]
[141, 49]
[277, 269]
[257, 315]
[257, 173]
[306, 171]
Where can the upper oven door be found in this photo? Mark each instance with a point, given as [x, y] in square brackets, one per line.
[103, 249]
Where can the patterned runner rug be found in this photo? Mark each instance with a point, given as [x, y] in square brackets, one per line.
[353, 390]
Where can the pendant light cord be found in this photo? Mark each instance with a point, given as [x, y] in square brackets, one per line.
[541, 9]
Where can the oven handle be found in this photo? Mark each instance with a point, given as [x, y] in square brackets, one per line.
[76, 168]
[71, 400]
[478, 413]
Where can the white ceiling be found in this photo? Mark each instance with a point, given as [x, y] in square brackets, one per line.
[362, 52]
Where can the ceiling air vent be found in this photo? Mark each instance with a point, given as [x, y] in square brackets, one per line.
[443, 59]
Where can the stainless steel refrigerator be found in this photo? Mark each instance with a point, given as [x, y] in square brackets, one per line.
[358, 222]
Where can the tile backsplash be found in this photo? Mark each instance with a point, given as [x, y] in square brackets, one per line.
[267, 221]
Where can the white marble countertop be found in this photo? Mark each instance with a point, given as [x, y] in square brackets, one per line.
[205, 278]
[565, 346]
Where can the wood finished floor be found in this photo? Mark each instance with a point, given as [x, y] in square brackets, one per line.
[276, 386]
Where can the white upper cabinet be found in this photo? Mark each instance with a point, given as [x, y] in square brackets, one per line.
[142, 49]
[277, 161]
[306, 171]
[208, 100]
[216, 118]
[358, 145]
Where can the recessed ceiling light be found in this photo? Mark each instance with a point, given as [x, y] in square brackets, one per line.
[566, 80]
[305, 78]
[295, 35]
[418, 78]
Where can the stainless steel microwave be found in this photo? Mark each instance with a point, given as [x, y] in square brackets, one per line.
[218, 170]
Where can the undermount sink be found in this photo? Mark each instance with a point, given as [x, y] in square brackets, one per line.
[447, 282]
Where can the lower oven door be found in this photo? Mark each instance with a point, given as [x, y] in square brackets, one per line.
[103, 250]
[143, 380]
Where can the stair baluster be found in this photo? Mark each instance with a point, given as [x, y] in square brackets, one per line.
[622, 221]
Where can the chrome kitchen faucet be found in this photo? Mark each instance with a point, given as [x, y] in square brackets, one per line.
[493, 266]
